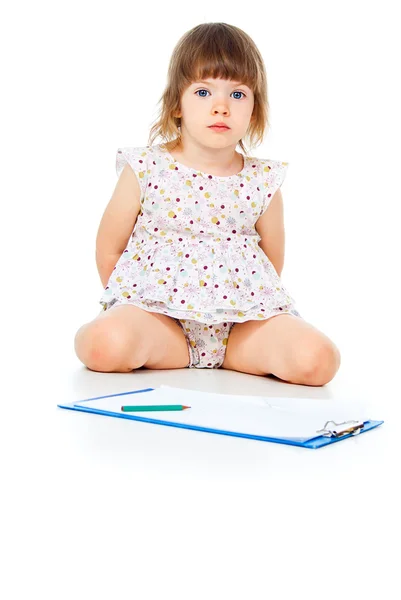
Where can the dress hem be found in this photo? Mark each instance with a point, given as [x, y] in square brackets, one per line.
[285, 309]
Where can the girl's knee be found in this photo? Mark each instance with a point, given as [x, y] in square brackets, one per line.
[108, 349]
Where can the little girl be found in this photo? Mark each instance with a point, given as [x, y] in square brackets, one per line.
[191, 245]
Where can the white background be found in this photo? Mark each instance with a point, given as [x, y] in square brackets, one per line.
[102, 508]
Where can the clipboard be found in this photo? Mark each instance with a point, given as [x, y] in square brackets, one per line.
[294, 421]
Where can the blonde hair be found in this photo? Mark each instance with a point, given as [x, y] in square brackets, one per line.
[215, 50]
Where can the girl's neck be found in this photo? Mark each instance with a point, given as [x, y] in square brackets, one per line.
[207, 166]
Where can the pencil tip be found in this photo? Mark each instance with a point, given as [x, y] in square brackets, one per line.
[184, 407]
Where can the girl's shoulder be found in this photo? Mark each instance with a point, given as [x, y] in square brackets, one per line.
[137, 157]
[270, 169]
[268, 164]
[272, 173]
[141, 161]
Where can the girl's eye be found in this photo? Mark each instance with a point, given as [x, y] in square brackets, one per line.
[238, 92]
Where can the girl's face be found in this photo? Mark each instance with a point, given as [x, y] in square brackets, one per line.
[212, 101]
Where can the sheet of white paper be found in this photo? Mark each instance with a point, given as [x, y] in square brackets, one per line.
[299, 418]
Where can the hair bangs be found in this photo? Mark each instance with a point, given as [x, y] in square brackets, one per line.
[220, 57]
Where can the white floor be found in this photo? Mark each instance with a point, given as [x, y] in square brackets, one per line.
[96, 507]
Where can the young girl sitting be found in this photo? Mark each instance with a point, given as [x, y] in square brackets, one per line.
[190, 247]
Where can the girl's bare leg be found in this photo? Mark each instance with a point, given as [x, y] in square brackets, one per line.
[285, 346]
[126, 337]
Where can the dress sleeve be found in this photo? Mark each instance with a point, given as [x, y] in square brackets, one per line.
[137, 158]
[273, 173]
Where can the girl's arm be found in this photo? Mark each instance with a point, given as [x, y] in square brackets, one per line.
[105, 266]
[270, 227]
[117, 223]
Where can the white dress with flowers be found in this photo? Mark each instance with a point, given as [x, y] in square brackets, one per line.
[194, 251]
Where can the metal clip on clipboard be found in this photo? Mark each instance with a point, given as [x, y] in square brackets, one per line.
[341, 429]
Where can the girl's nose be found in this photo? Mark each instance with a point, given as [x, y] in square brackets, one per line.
[224, 111]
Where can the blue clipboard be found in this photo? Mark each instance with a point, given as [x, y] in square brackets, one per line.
[331, 434]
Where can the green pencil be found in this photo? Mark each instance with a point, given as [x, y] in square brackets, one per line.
[154, 407]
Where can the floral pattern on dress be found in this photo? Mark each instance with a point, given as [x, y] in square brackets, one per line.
[194, 251]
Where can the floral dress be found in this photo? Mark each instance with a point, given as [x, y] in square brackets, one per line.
[194, 253]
